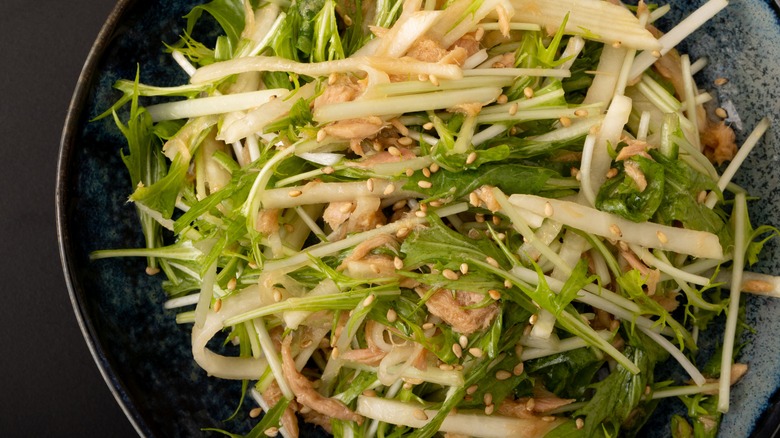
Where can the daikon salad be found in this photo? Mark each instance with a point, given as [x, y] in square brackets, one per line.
[494, 218]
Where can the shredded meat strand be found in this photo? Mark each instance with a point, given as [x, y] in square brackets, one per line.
[306, 395]
[272, 395]
[451, 310]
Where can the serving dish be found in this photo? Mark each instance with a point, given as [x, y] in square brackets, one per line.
[144, 355]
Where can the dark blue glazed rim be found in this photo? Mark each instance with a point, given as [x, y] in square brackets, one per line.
[141, 353]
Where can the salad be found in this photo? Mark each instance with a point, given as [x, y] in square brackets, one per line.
[501, 218]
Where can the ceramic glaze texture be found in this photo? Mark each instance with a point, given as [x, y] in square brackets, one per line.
[146, 355]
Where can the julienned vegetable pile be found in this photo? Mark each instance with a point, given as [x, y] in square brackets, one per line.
[495, 218]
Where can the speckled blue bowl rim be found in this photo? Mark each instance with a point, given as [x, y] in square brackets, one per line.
[67, 145]
[768, 425]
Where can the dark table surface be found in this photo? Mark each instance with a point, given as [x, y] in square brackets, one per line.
[49, 383]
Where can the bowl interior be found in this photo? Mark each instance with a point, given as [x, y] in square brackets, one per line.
[145, 354]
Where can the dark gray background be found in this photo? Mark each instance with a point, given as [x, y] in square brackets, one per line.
[49, 384]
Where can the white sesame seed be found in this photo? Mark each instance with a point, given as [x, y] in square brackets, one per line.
[721, 112]
[463, 341]
[271, 431]
[449, 274]
[479, 33]
[489, 409]
[565, 121]
[369, 300]
[581, 113]
[334, 353]
[217, 304]
[420, 414]
[419, 213]
[661, 236]
[402, 232]
[427, 326]
[424, 184]
[548, 418]
[494, 294]
[446, 367]
[528, 92]
[518, 369]
[471, 389]
[434, 168]
[720, 81]
[409, 172]
[321, 134]
[513, 109]
[491, 261]
[332, 78]
[294, 193]
[254, 413]
[394, 151]
[457, 350]
[464, 268]
[370, 184]
[487, 399]
[580, 423]
[277, 295]
[231, 284]
[428, 126]
[502, 99]
[369, 393]
[496, 220]
[392, 316]
[472, 157]
[327, 170]
[434, 80]
[507, 284]
[656, 53]
[533, 318]
[614, 229]
[548, 209]
[529, 406]
[405, 141]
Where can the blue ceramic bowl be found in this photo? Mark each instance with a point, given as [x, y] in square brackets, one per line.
[145, 357]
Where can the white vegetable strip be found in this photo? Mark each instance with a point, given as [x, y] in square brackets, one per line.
[541, 114]
[256, 120]
[406, 30]
[272, 356]
[732, 316]
[475, 425]
[401, 66]
[564, 345]
[407, 103]
[223, 366]
[590, 220]
[586, 164]
[689, 367]
[430, 374]
[608, 136]
[667, 268]
[317, 193]
[607, 73]
[517, 72]
[590, 19]
[739, 158]
[753, 282]
[205, 106]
